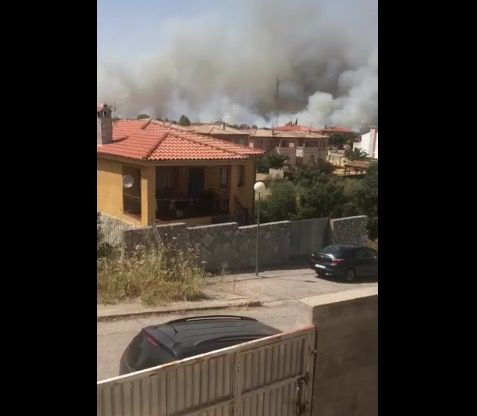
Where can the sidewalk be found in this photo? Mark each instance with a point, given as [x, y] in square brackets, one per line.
[130, 309]
[238, 291]
[216, 300]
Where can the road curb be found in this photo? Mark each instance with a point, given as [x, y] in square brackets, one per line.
[115, 316]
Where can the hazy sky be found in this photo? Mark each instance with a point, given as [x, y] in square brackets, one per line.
[218, 59]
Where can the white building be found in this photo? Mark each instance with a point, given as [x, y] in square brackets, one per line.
[369, 142]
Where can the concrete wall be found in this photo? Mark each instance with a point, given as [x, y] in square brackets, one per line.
[346, 361]
[349, 230]
[232, 247]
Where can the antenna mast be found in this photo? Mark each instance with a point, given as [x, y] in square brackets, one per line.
[276, 101]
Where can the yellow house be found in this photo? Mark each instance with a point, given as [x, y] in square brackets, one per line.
[150, 173]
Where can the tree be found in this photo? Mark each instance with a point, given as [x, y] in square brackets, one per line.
[307, 174]
[337, 139]
[142, 116]
[276, 160]
[281, 204]
[367, 199]
[356, 154]
[184, 121]
[262, 165]
[324, 197]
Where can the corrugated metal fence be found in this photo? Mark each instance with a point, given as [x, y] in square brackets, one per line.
[268, 377]
[307, 236]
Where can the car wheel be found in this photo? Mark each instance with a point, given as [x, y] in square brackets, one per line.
[350, 275]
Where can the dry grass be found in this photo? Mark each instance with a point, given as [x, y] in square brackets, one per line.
[156, 276]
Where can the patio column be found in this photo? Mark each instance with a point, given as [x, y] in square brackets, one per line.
[148, 195]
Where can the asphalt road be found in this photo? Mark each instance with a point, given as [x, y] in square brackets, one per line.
[280, 290]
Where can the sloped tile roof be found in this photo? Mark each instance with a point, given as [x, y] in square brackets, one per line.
[151, 140]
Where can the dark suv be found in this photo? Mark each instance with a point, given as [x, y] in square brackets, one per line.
[182, 338]
[346, 262]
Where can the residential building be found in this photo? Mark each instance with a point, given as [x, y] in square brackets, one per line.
[336, 157]
[221, 131]
[152, 172]
[301, 147]
[369, 142]
[343, 131]
[356, 167]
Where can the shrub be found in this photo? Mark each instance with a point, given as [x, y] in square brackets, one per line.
[281, 204]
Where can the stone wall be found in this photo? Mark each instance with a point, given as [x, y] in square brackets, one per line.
[230, 247]
[221, 246]
[113, 229]
[350, 230]
[346, 362]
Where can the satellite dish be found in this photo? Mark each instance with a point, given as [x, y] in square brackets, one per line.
[128, 181]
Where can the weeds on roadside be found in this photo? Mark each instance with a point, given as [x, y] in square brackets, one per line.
[155, 275]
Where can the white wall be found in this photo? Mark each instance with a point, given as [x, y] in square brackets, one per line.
[367, 144]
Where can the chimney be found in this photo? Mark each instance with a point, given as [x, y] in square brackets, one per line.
[223, 126]
[104, 123]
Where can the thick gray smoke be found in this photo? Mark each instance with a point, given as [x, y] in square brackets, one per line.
[213, 67]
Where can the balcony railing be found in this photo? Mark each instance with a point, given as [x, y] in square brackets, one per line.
[187, 207]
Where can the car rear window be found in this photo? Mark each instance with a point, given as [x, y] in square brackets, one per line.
[334, 250]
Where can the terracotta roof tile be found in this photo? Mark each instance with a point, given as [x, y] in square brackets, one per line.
[150, 140]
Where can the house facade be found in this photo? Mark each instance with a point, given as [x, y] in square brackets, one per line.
[221, 131]
[301, 147]
[337, 157]
[149, 172]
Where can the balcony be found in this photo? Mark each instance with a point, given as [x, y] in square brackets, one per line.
[184, 206]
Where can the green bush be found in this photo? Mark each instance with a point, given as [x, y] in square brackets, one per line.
[280, 205]
[276, 160]
[314, 194]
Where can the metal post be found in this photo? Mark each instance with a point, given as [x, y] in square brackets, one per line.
[258, 235]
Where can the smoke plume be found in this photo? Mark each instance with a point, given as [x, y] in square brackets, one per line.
[217, 67]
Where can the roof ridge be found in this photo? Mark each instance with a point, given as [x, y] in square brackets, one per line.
[143, 127]
[156, 145]
[201, 141]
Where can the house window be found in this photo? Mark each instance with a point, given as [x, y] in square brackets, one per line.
[241, 175]
[224, 176]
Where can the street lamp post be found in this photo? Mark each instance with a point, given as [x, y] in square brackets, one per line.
[259, 188]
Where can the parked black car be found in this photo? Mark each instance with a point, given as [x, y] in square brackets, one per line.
[182, 338]
[346, 262]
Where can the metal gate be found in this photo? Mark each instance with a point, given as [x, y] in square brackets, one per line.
[271, 376]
